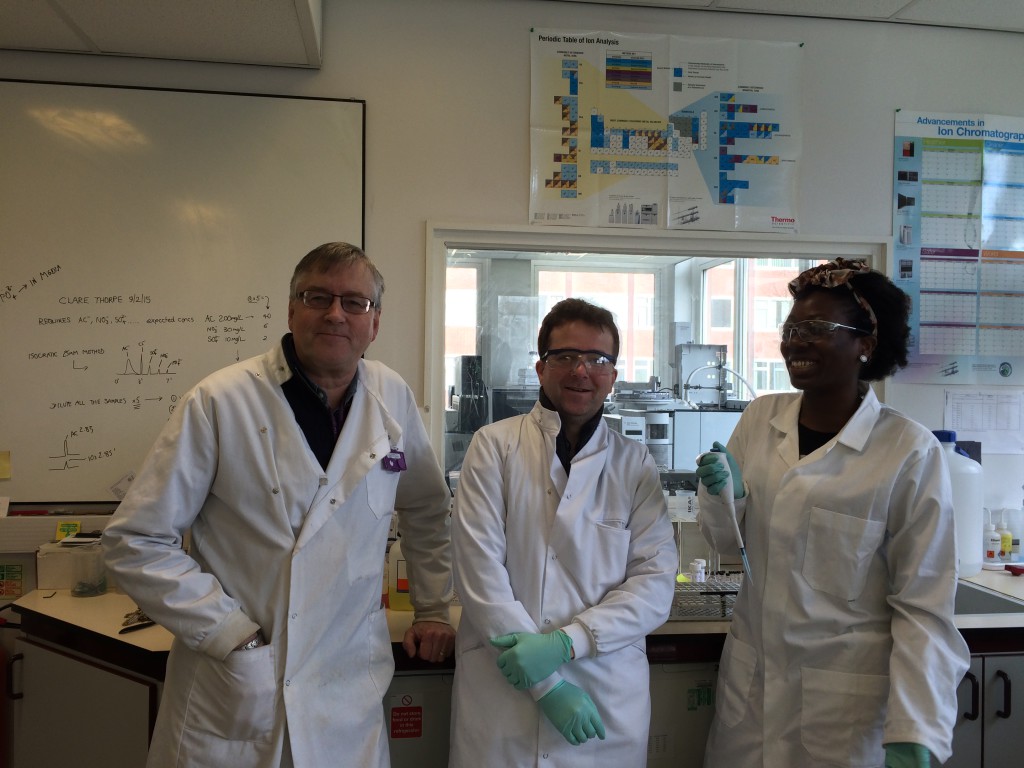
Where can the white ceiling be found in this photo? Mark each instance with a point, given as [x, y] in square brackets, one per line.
[284, 33]
[288, 32]
[1003, 15]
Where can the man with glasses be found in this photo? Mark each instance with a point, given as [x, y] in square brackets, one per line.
[287, 469]
[564, 563]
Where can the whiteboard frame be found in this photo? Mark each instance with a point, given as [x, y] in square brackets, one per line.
[292, 118]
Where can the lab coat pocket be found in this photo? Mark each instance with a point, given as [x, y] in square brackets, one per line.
[739, 661]
[234, 699]
[381, 487]
[841, 716]
[838, 552]
[598, 563]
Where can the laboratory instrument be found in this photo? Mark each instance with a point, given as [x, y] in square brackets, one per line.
[727, 495]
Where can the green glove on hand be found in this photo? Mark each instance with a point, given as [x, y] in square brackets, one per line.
[531, 657]
[573, 713]
[713, 475]
[907, 755]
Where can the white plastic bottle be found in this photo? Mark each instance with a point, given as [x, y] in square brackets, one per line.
[992, 542]
[965, 476]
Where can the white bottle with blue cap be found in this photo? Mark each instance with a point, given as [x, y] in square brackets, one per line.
[967, 480]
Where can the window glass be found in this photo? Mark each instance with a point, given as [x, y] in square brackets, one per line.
[460, 320]
[621, 293]
[495, 300]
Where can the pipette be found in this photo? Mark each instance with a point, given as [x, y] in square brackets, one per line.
[726, 495]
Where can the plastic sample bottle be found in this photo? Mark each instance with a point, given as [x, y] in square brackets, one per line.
[1005, 539]
[965, 476]
[398, 579]
[992, 542]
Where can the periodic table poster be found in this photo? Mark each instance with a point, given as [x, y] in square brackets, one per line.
[958, 232]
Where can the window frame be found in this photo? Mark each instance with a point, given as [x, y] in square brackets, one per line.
[683, 245]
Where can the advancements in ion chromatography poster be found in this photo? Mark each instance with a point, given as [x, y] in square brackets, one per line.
[664, 132]
[958, 230]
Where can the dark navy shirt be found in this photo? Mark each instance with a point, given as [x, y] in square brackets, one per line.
[318, 422]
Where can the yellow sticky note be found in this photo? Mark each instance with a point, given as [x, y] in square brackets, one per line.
[67, 528]
[5, 465]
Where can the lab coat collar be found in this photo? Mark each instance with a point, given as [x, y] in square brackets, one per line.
[858, 429]
[277, 367]
[370, 432]
[547, 419]
[854, 434]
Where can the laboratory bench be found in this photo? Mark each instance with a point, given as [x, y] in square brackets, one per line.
[92, 626]
[70, 656]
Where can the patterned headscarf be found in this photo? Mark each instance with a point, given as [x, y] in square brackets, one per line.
[832, 275]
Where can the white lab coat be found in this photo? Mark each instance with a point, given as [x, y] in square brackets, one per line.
[846, 639]
[535, 551]
[233, 465]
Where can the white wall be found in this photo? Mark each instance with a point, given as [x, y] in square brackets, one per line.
[447, 89]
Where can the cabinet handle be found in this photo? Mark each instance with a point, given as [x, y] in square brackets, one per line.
[10, 677]
[1005, 711]
[975, 697]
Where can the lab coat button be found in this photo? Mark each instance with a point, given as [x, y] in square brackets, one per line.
[294, 615]
[323, 481]
[263, 430]
[547, 621]
[334, 501]
[373, 455]
[275, 491]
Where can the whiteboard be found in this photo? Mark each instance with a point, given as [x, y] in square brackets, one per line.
[147, 238]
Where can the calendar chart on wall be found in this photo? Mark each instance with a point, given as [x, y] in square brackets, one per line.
[958, 231]
[148, 238]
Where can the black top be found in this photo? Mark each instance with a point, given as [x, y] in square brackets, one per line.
[563, 449]
[811, 440]
[318, 422]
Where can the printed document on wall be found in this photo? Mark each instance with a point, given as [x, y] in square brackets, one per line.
[958, 232]
[992, 417]
[664, 132]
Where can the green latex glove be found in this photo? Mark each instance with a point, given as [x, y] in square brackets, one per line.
[906, 755]
[531, 657]
[573, 713]
[714, 476]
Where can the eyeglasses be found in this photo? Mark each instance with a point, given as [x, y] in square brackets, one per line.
[813, 330]
[568, 360]
[353, 305]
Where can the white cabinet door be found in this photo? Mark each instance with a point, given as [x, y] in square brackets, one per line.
[70, 711]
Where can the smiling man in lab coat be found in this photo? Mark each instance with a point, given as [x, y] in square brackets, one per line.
[287, 469]
[564, 562]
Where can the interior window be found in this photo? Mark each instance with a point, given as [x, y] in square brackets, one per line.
[698, 321]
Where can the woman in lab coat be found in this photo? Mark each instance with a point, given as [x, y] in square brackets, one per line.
[842, 649]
